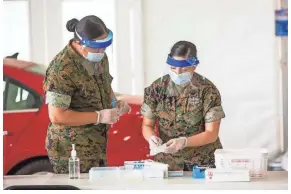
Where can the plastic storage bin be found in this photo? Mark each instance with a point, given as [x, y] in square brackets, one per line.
[105, 173]
[255, 160]
[141, 173]
[96, 173]
[149, 165]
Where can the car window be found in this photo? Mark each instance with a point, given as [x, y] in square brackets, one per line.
[4, 85]
[4, 88]
[19, 98]
[38, 69]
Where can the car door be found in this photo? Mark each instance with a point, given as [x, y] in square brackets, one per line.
[125, 139]
[19, 109]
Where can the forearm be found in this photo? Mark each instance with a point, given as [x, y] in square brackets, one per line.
[74, 118]
[148, 131]
[201, 139]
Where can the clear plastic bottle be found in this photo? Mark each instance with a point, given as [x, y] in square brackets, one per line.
[264, 163]
[74, 164]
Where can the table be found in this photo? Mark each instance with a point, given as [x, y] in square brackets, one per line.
[276, 180]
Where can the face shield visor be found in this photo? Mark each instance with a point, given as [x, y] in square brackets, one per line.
[95, 50]
[177, 69]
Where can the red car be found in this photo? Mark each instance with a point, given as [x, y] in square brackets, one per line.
[25, 122]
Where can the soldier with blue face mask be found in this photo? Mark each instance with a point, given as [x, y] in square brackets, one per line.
[80, 98]
[188, 109]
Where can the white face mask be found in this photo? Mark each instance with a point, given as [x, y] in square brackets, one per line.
[180, 79]
[95, 57]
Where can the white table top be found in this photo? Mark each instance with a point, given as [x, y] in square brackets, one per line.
[276, 180]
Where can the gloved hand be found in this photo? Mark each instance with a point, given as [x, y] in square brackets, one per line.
[174, 145]
[155, 141]
[123, 107]
[109, 116]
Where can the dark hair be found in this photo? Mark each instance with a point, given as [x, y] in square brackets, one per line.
[90, 27]
[183, 49]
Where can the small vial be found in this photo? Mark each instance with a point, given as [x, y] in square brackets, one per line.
[74, 164]
[114, 103]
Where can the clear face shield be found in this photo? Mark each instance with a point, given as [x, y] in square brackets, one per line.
[178, 70]
[95, 50]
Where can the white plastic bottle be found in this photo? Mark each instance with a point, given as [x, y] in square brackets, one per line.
[74, 164]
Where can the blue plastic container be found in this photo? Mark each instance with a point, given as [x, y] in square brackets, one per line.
[199, 172]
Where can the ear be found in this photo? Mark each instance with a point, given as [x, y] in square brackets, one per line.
[192, 69]
[81, 47]
[78, 42]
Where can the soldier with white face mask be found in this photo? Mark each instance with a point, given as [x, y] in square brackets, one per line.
[188, 109]
[80, 98]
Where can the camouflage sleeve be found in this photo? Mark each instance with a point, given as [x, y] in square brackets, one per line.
[147, 112]
[59, 88]
[149, 104]
[212, 105]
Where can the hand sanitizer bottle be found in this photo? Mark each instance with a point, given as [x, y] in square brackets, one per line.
[74, 164]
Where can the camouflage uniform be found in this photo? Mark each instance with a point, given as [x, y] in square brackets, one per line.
[72, 82]
[184, 112]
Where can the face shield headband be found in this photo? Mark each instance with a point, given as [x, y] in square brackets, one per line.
[191, 61]
[96, 44]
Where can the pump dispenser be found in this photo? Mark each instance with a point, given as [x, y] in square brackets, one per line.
[74, 164]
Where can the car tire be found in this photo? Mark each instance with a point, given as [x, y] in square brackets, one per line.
[37, 166]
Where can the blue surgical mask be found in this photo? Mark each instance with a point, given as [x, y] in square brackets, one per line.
[95, 57]
[180, 79]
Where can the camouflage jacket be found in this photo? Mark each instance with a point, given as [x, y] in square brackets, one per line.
[184, 112]
[72, 82]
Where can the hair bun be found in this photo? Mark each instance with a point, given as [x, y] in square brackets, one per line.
[71, 25]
